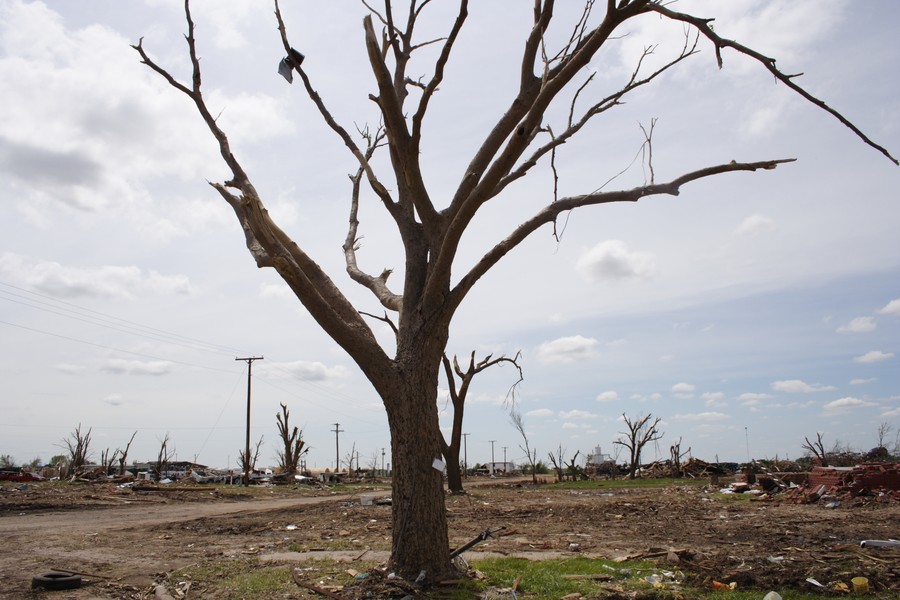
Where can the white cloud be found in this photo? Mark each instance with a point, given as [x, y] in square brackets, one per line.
[845, 405]
[888, 414]
[753, 398]
[567, 349]
[109, 281]
[858, 325]
[613, 260]
[683, 387]
[891, 308]
[275, 290]
[863, 381]
[570, 426]
[796, 386]
[608, 396]
[121, 366]
[754, 225]
[714, 399]
[576, 414]
[873, 357]
[70, 369]
[302, 370]
[113, 400]
[704, 416]
[540, 412]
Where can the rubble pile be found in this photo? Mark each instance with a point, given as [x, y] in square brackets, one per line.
[881, 480]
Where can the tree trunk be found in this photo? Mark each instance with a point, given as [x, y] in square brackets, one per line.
[454, 473]
[420, 541]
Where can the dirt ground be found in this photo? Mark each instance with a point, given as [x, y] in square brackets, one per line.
[129, 541]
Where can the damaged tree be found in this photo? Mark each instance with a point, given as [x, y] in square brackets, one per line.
[817, 449]
[293, 446]
[248, 462]
[78, 446]
[640, 433]
[434, 282]
[458, 400]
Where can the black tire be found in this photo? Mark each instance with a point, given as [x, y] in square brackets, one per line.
[56, 581]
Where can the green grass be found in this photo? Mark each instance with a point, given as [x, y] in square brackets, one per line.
[234, 580]
[545, 580]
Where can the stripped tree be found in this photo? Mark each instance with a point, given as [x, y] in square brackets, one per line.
[552, 85]
[293, 446]
[640, 433]
[458, 395]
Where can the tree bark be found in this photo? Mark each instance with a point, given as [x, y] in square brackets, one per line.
[420, 541]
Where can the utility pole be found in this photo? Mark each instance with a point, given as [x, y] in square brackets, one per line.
[465, 455]
[382, 462]
[492, 455]
[246, 466]
[337, 447]
[504, 459]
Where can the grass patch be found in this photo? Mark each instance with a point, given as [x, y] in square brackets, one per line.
[233, 580]
[547, 579]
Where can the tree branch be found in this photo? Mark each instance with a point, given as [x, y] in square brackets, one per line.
[551, 211]
[702, 25]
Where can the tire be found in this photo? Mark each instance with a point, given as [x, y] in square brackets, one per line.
[56, 581]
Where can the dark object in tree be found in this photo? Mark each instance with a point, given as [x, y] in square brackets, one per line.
[405, 371]
[640, 433]
[290, 62]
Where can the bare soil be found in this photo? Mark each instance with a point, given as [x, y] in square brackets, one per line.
[127, 542]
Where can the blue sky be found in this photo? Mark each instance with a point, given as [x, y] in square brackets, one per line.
[747, 313]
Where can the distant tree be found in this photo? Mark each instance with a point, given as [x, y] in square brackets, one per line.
[573, 470]
[558, 461]
[675, 455]
[161, 465]
[640, 433]
[7, 461]
[292, 445]
[123, 455]
[450, 451]
[78, 445]
[883, 433]
[516, 418]
[248, 463]
[817, 449]
[36, 463]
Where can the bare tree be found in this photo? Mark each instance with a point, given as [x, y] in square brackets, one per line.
[458, 400]
[123, 455]
[293, 446]
[516, 418]
[883, 433]
[817, 449]
[640, 433]
[435, 283]
[557, 462]
[78, 445]
[163, 457]
[248, 463]
[572, 469]
[675, 455]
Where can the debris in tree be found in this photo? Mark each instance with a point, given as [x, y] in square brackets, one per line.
[290, 62]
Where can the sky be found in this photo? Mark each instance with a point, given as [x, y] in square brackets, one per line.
[749, 312]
